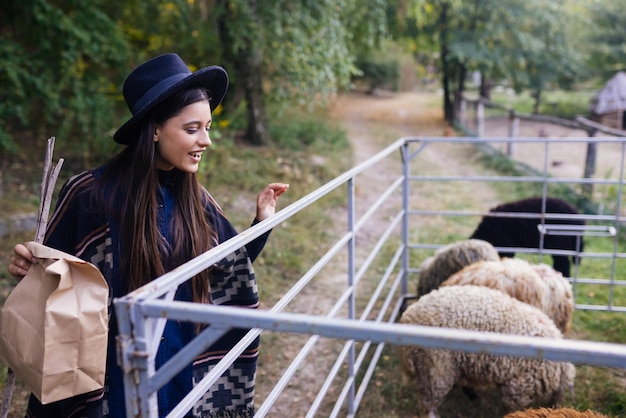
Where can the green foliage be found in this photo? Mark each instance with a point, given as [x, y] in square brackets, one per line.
[58, 66]
[526, 44]
[565, 107]
[608, 52]
[544, 53]
[379, 74]
[308, 48]
[307, 131]
[62, 63]
[293, 129]
[560, 103]
[298, 136]
[13, 74]
[153, 27]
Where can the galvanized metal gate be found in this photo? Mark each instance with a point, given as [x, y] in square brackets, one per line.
[364, 324]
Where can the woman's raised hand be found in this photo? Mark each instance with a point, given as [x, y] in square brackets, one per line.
[266, 200]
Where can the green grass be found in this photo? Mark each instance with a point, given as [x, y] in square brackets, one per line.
[561, 103]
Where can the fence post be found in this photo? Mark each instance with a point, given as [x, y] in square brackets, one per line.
[513, 130]
[590, 165]
[480, 118]
[462, 111]
[352, 299]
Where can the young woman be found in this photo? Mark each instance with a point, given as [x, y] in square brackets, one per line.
[144, 213]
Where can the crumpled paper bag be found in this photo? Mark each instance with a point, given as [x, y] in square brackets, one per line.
[54, 326]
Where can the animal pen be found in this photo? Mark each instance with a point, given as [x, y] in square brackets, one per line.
[375, 265]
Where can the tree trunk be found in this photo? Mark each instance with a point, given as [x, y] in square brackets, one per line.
[458, 94]
[462, 75]
[537, 96]
[590, 166]
[249, 69]
[485, 87]
[448, 103]
[247, 60]
[3, 170]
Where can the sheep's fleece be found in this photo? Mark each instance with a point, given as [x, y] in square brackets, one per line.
[555, 413]
[520, 381]
[450, 259]
[536, 284]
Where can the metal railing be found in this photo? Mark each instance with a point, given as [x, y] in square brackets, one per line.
[364, 324]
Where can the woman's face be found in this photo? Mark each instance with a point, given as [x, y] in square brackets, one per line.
[181, 140]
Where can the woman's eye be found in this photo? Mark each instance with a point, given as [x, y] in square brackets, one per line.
[191, 130]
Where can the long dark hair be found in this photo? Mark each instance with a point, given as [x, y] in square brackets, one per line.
[132, 179]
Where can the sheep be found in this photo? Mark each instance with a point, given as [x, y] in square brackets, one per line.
[555, 413]
[451, 258]
[520, 381]
[502, 231]
[536, 284]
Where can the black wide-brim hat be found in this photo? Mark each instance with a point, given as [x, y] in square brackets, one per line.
[159, 78]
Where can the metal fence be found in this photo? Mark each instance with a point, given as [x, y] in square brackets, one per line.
[379, 266]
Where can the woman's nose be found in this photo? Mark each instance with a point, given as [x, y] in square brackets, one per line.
[205, 139]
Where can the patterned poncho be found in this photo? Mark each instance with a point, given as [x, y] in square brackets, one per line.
[78, 228]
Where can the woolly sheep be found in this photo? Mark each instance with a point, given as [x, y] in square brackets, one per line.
[450, 259]
[520, 381]
[555, 413]
[536, 284]
[502, 231]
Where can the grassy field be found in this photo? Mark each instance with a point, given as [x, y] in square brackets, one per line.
[599, 389]
[564, 104]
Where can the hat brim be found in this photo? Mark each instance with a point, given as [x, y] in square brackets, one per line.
[213, 78]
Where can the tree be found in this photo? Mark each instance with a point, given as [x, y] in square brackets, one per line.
[548, 54]
[523, 42]
[62, 62]
[241, 36]
[608, 48]
[58, 65]
[298, 52]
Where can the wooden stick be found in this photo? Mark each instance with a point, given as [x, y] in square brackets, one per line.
[8, 392]
[48, 182]
[43, 187]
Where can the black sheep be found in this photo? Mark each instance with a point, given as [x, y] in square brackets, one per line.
[503, 231]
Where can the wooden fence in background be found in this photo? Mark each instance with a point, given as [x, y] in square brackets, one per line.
[580, 123]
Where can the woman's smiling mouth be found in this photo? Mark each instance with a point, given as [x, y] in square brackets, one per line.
[196, 155]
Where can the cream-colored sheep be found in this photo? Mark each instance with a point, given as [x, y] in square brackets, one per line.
[520, 381]
[536, 284]
[450, 259]
[555, 413]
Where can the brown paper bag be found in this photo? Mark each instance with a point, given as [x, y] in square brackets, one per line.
[54, 326]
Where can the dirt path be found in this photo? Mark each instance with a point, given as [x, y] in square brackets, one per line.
[372, 122]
